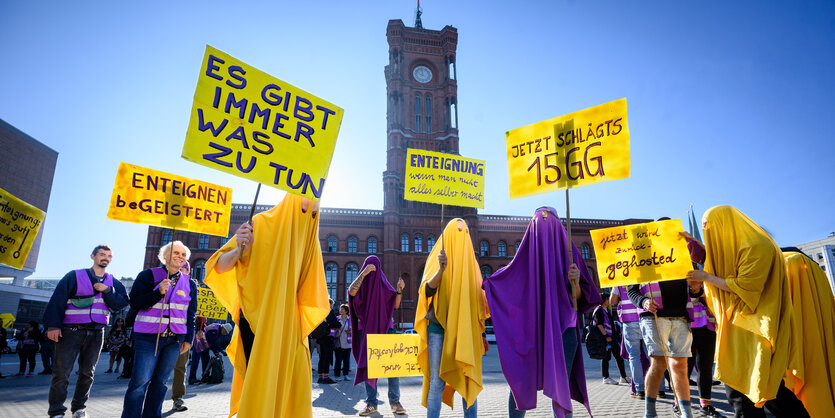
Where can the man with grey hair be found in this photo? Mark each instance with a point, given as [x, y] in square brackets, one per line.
[165, 301]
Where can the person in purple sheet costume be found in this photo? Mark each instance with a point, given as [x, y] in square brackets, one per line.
[373, 300]
[536, 327]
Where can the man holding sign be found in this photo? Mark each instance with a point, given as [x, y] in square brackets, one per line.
[75, 318]
[665, 322]
[165, 301]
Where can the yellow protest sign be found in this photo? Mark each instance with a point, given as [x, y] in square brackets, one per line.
[580, 148]
[208, 306]
[641, 253]
[19, 225]
[392, 355]
[250, 124]
[147, 196]
[445, 179]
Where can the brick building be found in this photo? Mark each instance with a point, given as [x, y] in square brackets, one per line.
[422, 89]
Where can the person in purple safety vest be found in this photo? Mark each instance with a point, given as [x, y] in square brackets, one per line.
[165, 301]
[631, 338]
[75, 318]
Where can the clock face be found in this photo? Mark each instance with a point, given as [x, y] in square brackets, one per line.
[422, 74]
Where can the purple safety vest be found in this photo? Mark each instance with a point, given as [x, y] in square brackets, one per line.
[656, 295]
[173, 307]
[98, 312]
[626, 310]
[699, 314]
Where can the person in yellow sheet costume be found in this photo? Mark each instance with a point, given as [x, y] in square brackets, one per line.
[748, 292]
[814, 310]
[450, 319]
[276, 293]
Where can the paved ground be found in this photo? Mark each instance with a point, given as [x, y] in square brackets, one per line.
[27, 396]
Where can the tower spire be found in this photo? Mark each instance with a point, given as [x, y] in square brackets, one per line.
[418, 12]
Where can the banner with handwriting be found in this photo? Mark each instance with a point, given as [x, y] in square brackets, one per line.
[152, 197]
[446, 179]
[248, 123]
[580, 148]
[208, 306]
[641, 253]
[392, 355]
[19, 225]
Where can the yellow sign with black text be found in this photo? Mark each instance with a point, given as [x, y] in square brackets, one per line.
[445, 179]
[585, 147]
[392, 355]
[208, 306]
[250, 124]
[19, 225]
[152, 197]
[641, 253]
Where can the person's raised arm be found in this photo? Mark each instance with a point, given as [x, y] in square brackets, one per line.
[243, 235]
[435, 281]
[400, 285]
[355, 285]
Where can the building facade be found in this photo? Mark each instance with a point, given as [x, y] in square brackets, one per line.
[422, 90]
[27, 168]
[823, 252]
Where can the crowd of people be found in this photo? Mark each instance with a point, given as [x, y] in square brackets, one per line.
[765, 316]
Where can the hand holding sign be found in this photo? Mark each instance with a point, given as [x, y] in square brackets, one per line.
[243, 235]
[164, 286]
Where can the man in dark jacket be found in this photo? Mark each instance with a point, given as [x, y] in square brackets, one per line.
[75, 318]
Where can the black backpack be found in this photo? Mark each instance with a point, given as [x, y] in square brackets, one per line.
[595, 342]
[214, 373]
[321, 331]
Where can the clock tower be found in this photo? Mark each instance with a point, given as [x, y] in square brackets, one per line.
[422, 95]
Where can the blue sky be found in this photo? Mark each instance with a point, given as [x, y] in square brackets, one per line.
[729, 102]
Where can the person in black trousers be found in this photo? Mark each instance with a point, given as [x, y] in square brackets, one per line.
[602, 318]
[28, 346]
[326, 348]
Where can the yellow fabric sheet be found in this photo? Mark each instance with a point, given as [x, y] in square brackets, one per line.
[461, 308]
[280, 287]
[814, 308]
[755, 339]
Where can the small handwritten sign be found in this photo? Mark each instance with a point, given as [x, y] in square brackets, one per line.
[250, 124]
[152, 197]
[19, 225]
[208, 306]
[446, 179]
[641, 253]
[580, 148]
[392, 355]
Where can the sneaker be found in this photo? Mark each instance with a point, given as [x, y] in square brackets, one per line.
[19, 374]
[662, 395]
[709, 411]
[369, 410]
[179, 406]
[676, 411]
[328, 381]
[28, 374]
[625, 380]
[609, 381]
[638, 395]
[79, 414]
[398, 409]
[320, 380]
[346, 378]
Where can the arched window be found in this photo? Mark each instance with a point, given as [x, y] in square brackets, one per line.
[430, 242]
[203, 242]
[417, 112]
[372, 245]
[352, 244]
[586, 251]
[332, 244]
[428, 113]
[198, 271]
[502, 249]
[331, 270]
[351, 271]
[404, 243]
[166, 236]
[485, 249]
[517, 247]
[418, 243]
[486, 271]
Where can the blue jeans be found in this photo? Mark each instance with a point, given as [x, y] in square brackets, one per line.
[436, 384]
[394, 392]
[146, 390]
[632, 341]
[569, 348]
[196, 359]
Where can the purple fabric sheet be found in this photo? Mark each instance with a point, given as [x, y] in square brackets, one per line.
[371, 312]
